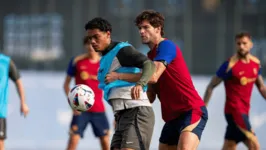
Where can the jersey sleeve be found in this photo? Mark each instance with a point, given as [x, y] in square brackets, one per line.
[71, 70]
[222, 71]
[259, 72]
[130, 57]
[166, 52]
[13, 71]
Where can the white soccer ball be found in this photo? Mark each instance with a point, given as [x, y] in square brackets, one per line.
[81, 97]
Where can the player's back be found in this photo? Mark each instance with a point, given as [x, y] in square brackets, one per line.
[177, 92]
[239, 83]
[85, 68]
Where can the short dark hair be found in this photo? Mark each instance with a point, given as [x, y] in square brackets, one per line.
[85, 40]
[99, 23]
[155, 18]
[242, 34]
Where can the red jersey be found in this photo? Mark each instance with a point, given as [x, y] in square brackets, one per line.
[239, 78]
[81, 68]
[176, 92]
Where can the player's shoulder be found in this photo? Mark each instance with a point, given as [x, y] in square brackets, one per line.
[167, 43]
[79, 58]
[254, 59]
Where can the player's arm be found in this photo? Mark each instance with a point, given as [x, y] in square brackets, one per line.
[260, 85]
[15, 77]
[130, 57]
[221, 74]
[214, 82]
[165, 55]
[71, 70]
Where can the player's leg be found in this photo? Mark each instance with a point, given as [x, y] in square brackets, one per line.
[117, 136]
[77, 127]
[169, 135]
[251, 141]
[194, 123]
[2, 133]
[229, 145]
[101, 129]
[136, 125]
[233, 134]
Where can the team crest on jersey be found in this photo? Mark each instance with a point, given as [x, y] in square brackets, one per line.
[255, 71]
[84, 75]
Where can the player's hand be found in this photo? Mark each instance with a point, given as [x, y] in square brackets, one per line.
[135, 92]
[112, 76]
[24, 109]
[76, 113]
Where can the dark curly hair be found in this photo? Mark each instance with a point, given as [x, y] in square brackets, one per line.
[99, 23]
[242, 34]
[155, 18]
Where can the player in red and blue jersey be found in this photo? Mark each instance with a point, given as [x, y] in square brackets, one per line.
[183, 110]
[239, 74]
[84, 69]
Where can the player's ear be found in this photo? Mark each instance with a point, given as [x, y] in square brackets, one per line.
[108, 33]
[158, 30]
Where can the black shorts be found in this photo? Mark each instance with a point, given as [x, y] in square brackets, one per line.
[2, 128]
[98, 121]
[238, 127]
[173, 129]
[134, 128]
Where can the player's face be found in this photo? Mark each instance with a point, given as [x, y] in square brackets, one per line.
[99, 40]
[147, 32]
[244, 46]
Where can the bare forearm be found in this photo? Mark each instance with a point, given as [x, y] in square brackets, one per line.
[263, 92]
[66, 89]
[207, 96]
[129, 77]
[20, 90]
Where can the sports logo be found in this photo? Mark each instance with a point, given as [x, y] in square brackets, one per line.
[84, 75]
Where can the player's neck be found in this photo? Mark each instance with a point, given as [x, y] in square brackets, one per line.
[155, 42]
[244, 59]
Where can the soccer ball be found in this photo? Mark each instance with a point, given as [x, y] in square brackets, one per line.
[81, 97]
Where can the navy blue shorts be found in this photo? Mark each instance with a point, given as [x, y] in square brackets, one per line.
[173, 129]
[98, 121]
[238, 127]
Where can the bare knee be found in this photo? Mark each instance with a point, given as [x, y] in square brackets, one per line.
[229, 145]
[188, 141]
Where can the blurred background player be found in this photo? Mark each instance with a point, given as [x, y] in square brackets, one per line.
[134, 117]
[239, 74]
[183, 110]
[8, 70]
[84, 69]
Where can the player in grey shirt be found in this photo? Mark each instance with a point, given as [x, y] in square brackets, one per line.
[133, 114]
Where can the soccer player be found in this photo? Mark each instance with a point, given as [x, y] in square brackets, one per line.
[239, 74]
[8, 70]
[134, 117]
[183, 110]
[84, 69]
